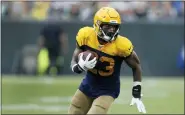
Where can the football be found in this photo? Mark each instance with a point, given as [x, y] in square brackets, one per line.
[86, 53]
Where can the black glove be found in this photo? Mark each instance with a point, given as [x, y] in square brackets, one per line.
[77, 69]
[136, 91]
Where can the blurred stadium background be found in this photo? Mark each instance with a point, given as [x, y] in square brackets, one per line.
[155, 28]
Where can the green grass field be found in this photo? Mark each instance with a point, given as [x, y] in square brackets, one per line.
[39, 95]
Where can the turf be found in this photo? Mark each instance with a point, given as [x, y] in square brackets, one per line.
[43, 95]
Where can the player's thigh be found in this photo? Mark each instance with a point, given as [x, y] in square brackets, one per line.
[80, 103]
[101, 105]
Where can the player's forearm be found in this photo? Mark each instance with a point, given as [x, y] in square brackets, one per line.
[75, 56]
[75, 67]
[74, 64]
[136, 90]
[137, 73]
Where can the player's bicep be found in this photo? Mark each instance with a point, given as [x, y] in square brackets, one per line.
[133, 60]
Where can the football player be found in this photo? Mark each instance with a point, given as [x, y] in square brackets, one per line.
[101, 85]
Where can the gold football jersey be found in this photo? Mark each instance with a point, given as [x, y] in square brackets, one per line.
[122, 46]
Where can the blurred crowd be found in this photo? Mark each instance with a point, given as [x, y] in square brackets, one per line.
[58, 10]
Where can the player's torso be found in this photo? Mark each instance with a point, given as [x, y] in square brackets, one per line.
[104, 78]
[107, 70]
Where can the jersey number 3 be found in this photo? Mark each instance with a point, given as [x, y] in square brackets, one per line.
[109, 69]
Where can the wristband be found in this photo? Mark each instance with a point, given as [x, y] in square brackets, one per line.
[77, 69]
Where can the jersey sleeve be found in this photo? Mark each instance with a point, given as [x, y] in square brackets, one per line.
[125, 47]
[81, 36]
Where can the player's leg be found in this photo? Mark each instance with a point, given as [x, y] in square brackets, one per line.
[101, 105]
[80, 103]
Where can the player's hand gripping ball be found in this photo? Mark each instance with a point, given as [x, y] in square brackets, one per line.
[87, 60]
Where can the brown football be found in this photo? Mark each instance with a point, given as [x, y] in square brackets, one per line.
[86, 53]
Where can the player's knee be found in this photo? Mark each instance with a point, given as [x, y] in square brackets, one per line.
[101, 105]
[79, 104]
[104, 101]
[98, 109]
[75, 107]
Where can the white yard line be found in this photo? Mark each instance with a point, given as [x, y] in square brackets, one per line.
[47, 108]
